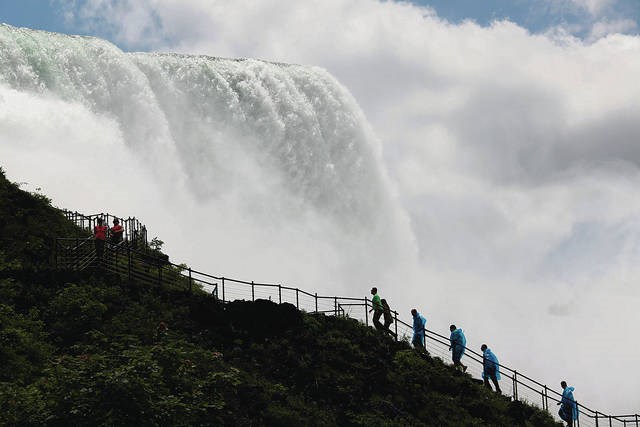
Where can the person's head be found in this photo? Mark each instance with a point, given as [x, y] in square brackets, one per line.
[116, 221]
[374, 291]
[452, 328]
[483, 347]
[563, 384]
[384, 302]
[414, 312]
[99, 221]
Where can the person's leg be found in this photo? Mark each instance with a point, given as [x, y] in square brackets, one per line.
[486, 381]
[563, 415]
[388, 323]
[376, 320]
[418, 342]
[99, 248]
[494, 380]
[464, 367]
[457, 356]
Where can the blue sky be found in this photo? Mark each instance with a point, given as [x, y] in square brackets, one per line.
[36, 14]
[538, 15]
[577, 17]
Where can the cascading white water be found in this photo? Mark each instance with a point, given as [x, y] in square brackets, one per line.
[244, 167]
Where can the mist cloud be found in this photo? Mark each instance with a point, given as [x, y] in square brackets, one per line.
[514, 154]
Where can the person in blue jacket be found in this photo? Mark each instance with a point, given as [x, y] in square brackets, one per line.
[457, 347]
[490, 368]
[568, 406]
[419, 323]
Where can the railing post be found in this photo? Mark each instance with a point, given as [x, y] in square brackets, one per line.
[597, 424]
[280, 293]
[545, 402]
[424, 341]
[610, 421]
[223, 290]
[366, 312]
[335, 306]
[297, 300]
[191, 280]
[637, 420]
[515, 385]
[395, 313]
[129, 262]
[316, 302]
[253, 291]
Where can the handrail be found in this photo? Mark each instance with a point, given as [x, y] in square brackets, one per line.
[337, 307]
[133, 230]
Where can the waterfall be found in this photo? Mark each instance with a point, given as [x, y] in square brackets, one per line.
[243, 166]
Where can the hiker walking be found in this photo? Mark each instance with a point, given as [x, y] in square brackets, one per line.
[116, 232]
[568, 406]
[457, 347]
[377, 309]
[388, 317]
[99, 237]
[490, 368]
[419, 323]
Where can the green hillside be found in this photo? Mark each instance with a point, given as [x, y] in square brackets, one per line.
[91, 348]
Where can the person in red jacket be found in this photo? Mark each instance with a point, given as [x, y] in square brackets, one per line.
[116, 232]
[99, 237]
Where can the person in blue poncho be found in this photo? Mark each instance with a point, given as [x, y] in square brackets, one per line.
[419, 323]
[568, 406]
[457, 347]
[490, 368]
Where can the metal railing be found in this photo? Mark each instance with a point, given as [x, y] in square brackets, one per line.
[130, 263]
[133, 230]
[147, 267]
[514, 383]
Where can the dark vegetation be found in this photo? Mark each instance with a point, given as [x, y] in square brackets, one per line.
[89, 348]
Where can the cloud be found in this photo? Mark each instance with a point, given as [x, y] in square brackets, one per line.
[594, 7]
[129, 21]
[514, 154]
[605, 27]
[590, 19]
